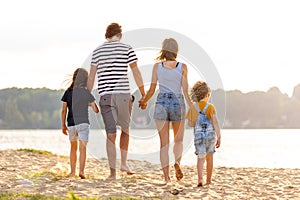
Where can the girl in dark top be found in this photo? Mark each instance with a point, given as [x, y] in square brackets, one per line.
[76, 101]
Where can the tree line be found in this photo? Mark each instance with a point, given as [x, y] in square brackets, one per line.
[40, 108]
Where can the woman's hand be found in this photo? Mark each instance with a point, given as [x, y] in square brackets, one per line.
[142, 103]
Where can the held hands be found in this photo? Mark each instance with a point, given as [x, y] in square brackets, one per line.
[142, 103]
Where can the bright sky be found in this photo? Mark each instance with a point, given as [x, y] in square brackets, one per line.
[254, 44]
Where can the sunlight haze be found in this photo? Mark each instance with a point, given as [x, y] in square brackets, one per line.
[255, 45]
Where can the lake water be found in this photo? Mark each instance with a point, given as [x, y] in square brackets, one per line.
[271, 148]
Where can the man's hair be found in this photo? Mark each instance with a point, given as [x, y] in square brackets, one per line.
[113, 29]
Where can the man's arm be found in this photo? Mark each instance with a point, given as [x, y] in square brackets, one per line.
[91, 78]
[137, 77]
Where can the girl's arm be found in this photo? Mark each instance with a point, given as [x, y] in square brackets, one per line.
[152, 86]
[94, 107]
[217, 129]
[63, 118]
[184, 84]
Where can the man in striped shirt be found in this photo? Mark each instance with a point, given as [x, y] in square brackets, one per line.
[110, 62]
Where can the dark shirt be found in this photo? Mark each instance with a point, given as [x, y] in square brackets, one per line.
[78, 101]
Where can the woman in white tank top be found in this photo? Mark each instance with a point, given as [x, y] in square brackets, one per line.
[170, 106]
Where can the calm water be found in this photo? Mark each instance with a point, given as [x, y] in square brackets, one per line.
[273, 148]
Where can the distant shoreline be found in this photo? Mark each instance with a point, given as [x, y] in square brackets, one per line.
[41, 108]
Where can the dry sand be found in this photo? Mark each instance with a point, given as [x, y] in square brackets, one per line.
[35, 173]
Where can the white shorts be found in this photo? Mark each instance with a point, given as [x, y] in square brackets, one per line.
[79, 132]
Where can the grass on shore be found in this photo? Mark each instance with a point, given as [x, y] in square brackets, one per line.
[72, 196]
[43, 152]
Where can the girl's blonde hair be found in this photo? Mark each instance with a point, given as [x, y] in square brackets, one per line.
[199, 91]
[169, 50]
[79, 79]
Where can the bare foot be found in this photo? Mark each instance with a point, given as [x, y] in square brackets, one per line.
[179, 174]
[167, 180]
[127, 170]
[82, 176]
[200, 184]
[208, 182]
[70, 175]
[110, 178]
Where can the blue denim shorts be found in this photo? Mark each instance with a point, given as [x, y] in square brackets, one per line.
[79, 132]
[205, 143]
[169, 107]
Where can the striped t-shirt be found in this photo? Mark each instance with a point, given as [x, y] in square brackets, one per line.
[112, 60]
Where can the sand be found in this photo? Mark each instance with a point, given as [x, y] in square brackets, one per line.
[36, 173]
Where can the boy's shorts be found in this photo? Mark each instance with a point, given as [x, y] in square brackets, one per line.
[79, 132]
[205, 143]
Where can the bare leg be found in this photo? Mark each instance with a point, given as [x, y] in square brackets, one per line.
[163, 131]
[209, 167]
[178, 128]
[82, 158]
[111, 154]
[73, 158]
[124, 142]
[200, 166]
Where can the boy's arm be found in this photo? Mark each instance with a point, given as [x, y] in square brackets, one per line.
[94, 107]
[217, 129]
[63, 118]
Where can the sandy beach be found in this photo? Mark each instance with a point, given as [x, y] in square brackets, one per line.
[38, 173]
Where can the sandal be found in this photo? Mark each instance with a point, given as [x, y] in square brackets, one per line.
[179, 174]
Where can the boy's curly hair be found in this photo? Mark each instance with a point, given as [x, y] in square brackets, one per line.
[199, 91]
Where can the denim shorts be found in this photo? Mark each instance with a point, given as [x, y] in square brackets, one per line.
[169, 107]
[205, 143]
[79, 132]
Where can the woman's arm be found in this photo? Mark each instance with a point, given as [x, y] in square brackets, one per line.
[152, 86]
[63, 118]
[185, 86]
